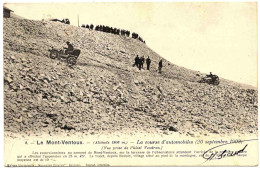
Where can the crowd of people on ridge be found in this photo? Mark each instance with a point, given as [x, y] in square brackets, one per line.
[112, 30]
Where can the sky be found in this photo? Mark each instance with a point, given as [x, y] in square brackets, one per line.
[204, 36]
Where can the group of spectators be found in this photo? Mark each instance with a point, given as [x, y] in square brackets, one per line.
[112, 30]
[90, 27]
[139, 63]
[116, 31]
[136, 36]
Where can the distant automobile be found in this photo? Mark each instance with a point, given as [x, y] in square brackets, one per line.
[66, 20]
[71, 58]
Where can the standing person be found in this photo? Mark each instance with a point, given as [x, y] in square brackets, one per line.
[148, 62]
[136, 61]
[142, 62]
[91, 26]
[160, 66]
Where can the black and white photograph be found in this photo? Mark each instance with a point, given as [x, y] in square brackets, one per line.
[143, 76]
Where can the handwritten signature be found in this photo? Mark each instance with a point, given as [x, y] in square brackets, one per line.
[216, 154]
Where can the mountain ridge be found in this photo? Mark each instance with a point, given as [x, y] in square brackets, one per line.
[104, 93]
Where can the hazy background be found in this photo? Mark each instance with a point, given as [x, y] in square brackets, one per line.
[216, 37]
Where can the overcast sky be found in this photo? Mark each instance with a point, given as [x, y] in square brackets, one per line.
[216, 37]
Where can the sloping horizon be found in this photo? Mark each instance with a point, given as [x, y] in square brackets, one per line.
[207, 38]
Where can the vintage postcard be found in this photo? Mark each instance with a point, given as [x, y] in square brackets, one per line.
[130, 84]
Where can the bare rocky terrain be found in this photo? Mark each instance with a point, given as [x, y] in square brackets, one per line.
[103, 93]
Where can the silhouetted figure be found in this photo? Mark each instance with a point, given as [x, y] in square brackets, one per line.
[142, 62]
[91, 26]
[83, 26]
[87, 26]
[127, 33]
[160, 66]
[69, 49]
[210, 75]
[134, 35]
[104, 28]
[114, 31]
[96, 28]
[122, 32]
[137, 60]
[148, 62]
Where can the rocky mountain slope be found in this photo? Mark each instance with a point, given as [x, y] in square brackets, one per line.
[104, 93]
